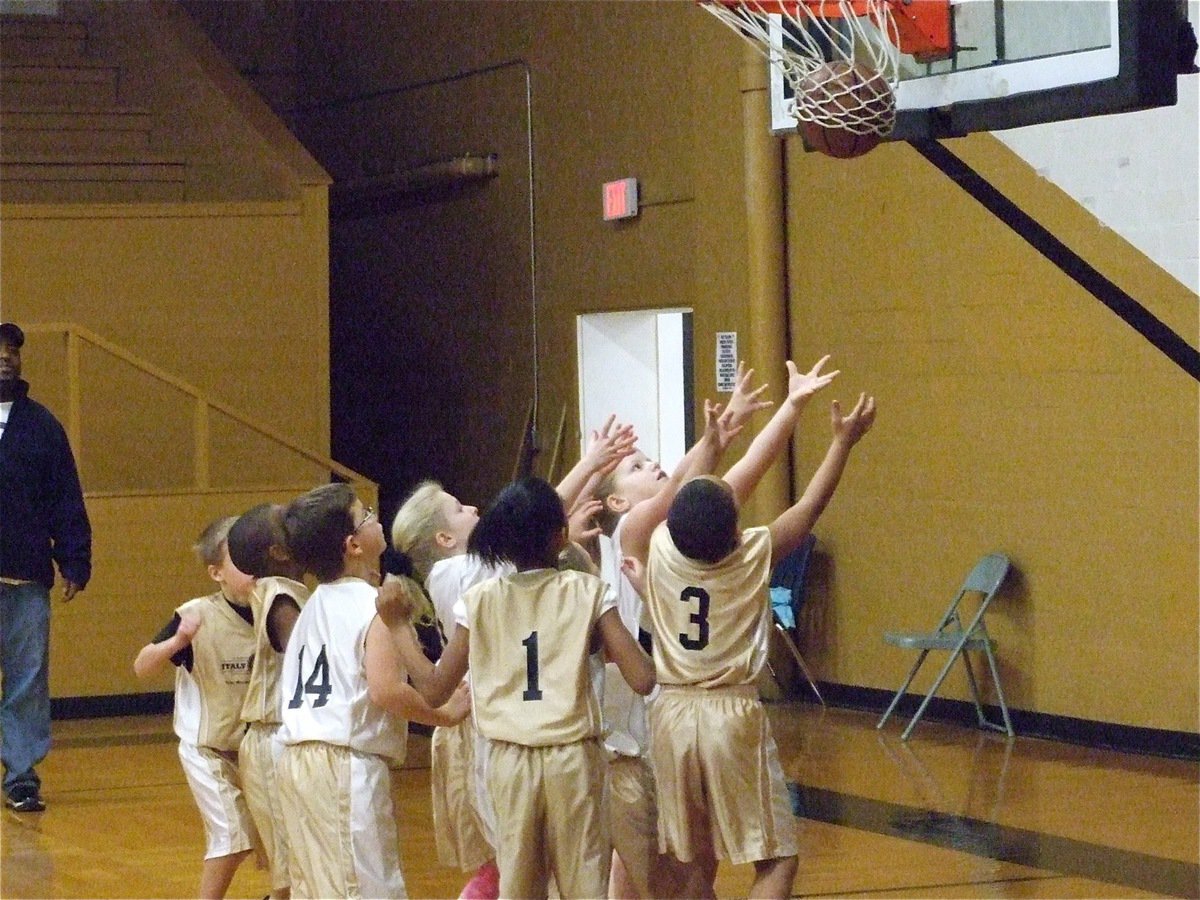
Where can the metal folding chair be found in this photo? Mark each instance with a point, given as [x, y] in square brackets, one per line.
[950, 634]
[790, 573]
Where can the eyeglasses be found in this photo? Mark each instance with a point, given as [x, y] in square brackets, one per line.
[368, 515]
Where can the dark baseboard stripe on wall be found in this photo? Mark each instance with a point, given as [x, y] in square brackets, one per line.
[1071, 263]
[162, 703]
[112, 705]
[1101, 735]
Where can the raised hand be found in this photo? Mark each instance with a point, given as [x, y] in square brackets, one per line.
[802, 385]
[851, 427]
[743, 403]
[609, 445]
[720, 426]
[581, 521]
[399, 600]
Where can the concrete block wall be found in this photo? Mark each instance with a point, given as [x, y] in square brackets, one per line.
[1137, 173]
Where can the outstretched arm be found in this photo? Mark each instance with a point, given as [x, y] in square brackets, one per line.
[795, 523]
[743, 403]
[435, 683]
[152, 658]
[581, 520]
[641, 521]
[606, 448]
[745, 474]
[388, 688]
[636, 667]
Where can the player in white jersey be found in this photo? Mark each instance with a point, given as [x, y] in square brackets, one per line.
[527, 637]
[257, 546]
[210, 640]
[432, 529]
[720, 785]
[345, 708]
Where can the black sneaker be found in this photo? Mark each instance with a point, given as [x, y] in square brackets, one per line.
[25, 800]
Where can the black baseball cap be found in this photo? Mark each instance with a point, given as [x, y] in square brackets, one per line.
[12, 335]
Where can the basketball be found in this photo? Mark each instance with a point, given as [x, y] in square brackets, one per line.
[839, 106]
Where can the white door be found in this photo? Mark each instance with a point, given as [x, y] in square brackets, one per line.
[637, 365]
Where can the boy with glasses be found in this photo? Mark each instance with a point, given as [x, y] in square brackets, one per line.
[345, 706]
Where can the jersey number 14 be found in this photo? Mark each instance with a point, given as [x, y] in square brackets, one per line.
[317, 683]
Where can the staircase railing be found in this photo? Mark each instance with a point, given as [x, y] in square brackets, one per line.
[203, 406]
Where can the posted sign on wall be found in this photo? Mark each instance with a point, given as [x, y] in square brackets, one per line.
[727, 360]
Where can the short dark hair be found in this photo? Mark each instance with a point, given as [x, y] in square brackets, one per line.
[11, 334]
[251, 538]
[703, 520]
[520, 526]
[316, 526]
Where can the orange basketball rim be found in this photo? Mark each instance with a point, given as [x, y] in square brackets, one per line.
[921, 28]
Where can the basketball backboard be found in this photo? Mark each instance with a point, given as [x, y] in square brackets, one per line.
[1022, 62]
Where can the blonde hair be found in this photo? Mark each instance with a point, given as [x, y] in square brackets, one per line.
[606, 518]
[415, 528]
[210, 546]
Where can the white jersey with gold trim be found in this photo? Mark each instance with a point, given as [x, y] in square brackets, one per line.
[208, 699]
[262, 695]
[626, 730]
[449, 578]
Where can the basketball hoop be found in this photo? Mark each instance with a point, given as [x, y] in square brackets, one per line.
[840, 58]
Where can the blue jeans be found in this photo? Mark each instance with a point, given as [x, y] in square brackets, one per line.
[25, 691]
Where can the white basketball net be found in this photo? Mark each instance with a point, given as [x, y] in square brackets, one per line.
[843, 71]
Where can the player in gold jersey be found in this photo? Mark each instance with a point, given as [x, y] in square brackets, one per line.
[527, 637]
[431, 529]
[634, 498]
[258, 547]
[210, 640]
[721, 792]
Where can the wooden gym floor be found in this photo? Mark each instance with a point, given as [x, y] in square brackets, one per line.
[951, 813]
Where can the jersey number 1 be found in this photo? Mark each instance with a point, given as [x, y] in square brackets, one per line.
[532, 691]
[318, 681]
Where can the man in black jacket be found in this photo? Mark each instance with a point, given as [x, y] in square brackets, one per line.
[42, 522]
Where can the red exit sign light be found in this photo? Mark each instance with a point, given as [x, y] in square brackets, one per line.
[620, 199]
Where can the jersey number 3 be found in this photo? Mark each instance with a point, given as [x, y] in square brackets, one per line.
[699, 618]
[317, 683]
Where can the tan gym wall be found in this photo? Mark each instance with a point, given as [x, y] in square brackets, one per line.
[1016, 412]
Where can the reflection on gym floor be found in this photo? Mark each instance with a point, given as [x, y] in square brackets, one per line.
[952, 812]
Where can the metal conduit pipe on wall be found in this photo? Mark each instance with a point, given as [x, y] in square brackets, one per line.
[766, 246]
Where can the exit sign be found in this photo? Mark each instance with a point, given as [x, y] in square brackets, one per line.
[620, 199]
